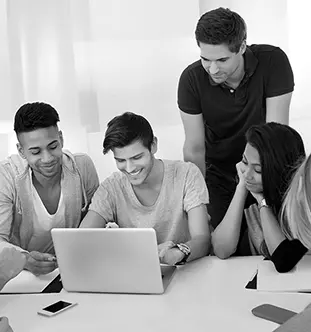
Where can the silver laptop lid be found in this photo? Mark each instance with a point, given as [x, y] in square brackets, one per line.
[122, 260]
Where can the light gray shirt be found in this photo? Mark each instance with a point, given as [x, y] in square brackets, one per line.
[183, 188]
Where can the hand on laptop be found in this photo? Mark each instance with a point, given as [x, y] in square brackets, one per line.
[169, 254]
[111, 225]
[4, 325]
[12, 262]
[40, 263]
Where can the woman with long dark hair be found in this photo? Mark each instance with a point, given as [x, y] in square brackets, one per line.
[272, 153]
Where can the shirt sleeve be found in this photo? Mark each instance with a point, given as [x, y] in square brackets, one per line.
[103, 202]
[288, 254]
[280, 75]
[187, 96]
[195, 192]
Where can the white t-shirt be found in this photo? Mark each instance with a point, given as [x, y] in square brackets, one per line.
[183, 188]
[43, 222]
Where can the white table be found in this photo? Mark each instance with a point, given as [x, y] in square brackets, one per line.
[205, 295]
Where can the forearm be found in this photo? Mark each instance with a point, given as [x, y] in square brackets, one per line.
[200, 246]
[3, 282]
[196, 156]
[271, 229]
[93, 220]
[288, 254]
[6, 244]
[226, 236]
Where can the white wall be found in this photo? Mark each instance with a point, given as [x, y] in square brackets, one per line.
[94, 59]
[139, 49]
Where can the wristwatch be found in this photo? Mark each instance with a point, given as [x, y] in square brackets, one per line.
[262, 204]
[185, 249]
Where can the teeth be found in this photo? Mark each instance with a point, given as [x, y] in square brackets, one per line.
[135, 173]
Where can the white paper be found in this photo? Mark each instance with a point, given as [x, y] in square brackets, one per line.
[26, 282]
[299, 279]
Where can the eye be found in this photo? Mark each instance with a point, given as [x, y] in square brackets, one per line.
[222, 60]
[244, 161]
[258, 171]
[53, 147]
[35, 152]
[137, 157]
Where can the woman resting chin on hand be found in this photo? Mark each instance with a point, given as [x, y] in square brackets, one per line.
[271, 154]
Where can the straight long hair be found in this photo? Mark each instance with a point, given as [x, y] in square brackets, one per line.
[280, 149]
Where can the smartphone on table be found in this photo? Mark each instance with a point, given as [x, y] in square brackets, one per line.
[56, 308]
[273, 313]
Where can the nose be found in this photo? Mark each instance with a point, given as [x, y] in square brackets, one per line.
[129, 167]
[213, 69]
[248, 174]
[46, 157]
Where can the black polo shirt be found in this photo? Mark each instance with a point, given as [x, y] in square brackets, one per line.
[228, 113]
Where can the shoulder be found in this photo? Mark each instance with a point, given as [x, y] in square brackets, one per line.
[264, 52]
[82, 159]
[194, 69]
[181, 168]
[12, 166]
[115, 182]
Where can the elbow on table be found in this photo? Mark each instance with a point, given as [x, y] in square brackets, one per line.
[219, 249]
[221, 252]
[283, 266]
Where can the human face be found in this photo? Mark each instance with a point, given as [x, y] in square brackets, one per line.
[252, 169]
[135, 161]
[220, 63]
[42, 148]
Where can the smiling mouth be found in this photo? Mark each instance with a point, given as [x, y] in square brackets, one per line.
[135, 173]
[48, 166]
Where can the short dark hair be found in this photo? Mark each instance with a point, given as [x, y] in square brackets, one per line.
[281, 151]
[125, 129]
[32, 116]
[221, 26]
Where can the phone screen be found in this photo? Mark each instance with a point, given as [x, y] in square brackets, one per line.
[57, 306]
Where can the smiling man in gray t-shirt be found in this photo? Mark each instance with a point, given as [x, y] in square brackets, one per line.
[169, 196]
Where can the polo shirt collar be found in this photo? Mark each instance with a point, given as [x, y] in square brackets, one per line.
[250, 65]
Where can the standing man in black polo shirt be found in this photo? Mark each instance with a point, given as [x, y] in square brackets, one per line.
[231, 88]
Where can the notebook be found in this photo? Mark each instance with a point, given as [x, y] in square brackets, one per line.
[297, 280]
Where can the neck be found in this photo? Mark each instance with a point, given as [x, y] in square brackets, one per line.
[235, 79]
[155, 177]
[44, 182]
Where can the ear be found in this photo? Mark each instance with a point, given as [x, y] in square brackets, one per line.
[243, 47]
[154, 145]
[20, 150]
[61, 138]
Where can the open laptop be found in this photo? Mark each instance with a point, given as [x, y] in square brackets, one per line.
[115, 260]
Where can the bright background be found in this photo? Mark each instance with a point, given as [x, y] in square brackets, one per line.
[94, 59]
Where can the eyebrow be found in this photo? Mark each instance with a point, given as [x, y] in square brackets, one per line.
[224, 58]
[139, 154]
[251, 163]
[37, 147]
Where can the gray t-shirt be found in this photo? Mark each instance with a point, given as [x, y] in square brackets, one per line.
[183, 188]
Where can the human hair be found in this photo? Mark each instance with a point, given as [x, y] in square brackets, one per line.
[125, 129]
[32, 116]
[295, 213]
[221, 26]
[280, 149]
